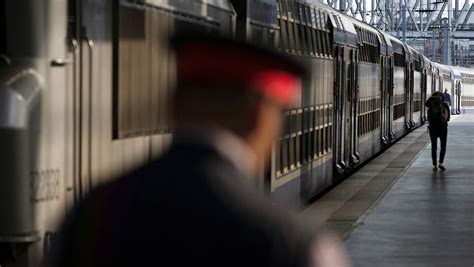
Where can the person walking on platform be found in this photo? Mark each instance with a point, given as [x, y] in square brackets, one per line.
[438, 117]
[447, 97]
[197, 205]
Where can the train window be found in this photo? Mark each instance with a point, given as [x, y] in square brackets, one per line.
[362, 131]
[366, 123]
[328, 43]
[359, 122]
[292, 8]
[371, 121]
[326, 139]
[315, 143]
[321, 116]
[285, 154]
[299, 120]
[316, 42]
[330, 111]
[305, 116]
[291, 36]
[330, 139]
[324, 42]
[292, 151]
[323, 140]
[379, 118]
[309, 41]
[399, 60]
[287, 124]
[304, 147]
[298, 152]
[298, 41]
[278, 157]
[283, 8]
[140, 100]
[316, 118]
[135, 103]
[294, 122]
[297, 15]
[311, 118]
[284, 35]
[304, 39]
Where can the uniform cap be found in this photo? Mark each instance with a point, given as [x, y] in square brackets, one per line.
[205, 60]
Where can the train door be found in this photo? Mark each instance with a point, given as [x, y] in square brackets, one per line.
[344, 113]
[386, 92]
[424, 90]
[339, 86]
[458, 94]
[409, 95]
[353, 91]
[390, 101]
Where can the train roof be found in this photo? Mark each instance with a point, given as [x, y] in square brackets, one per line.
[222, 4]
[460, 72]
[194, 7]
[344, 31]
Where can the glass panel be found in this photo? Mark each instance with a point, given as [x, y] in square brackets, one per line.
[278, 156]
[285, 154]
[292, 152]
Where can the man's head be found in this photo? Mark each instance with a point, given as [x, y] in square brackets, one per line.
[235, 86]
[438, 95]
[445, 90]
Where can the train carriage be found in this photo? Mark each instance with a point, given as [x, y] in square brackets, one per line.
[416, 88]
[466, 89]
[446, 77]
[302, 160]
[456, 90]
[400, 88]
[369, 100]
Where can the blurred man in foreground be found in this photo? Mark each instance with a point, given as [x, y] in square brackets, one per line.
[197, 205]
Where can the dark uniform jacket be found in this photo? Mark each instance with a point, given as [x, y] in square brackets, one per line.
[192, 207]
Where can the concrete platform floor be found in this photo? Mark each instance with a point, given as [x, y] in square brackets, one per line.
[426, 218]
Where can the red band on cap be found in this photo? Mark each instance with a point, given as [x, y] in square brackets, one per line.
[206, 64]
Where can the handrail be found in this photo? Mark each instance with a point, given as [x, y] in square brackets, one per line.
[90, 45]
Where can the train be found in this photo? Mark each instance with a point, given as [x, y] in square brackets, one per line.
[86, 87]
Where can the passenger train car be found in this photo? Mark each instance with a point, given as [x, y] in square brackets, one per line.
[85, 89]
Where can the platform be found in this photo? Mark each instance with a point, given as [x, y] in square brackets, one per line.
[397, 212]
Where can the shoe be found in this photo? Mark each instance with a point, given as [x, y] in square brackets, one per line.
[441, 167]
[435, 168]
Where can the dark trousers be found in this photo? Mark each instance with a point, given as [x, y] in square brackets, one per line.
[442, 134]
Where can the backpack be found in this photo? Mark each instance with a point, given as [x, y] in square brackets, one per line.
[438, 113]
